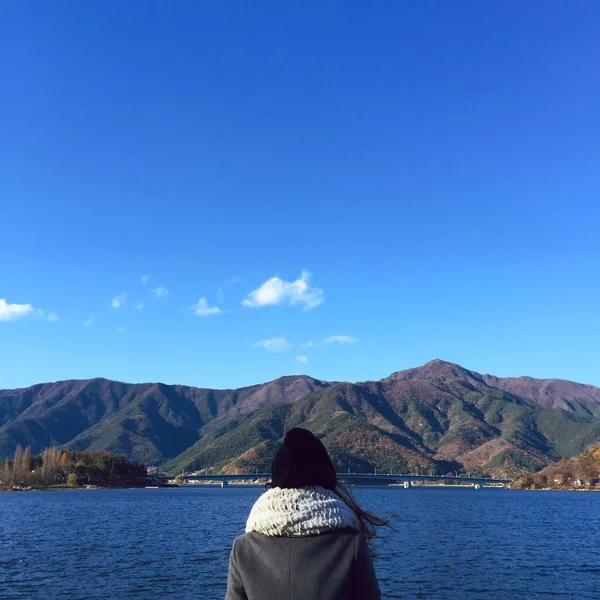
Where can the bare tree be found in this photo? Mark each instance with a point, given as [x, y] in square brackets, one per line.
[26, 459]
[7, 475]
[17, 462]
[50, 465]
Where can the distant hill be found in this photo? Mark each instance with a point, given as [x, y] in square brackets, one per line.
[581, 471]
[437, 418]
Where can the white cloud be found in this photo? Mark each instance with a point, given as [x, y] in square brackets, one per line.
[121, 329]
[145, 279]
[277, 291]
[12, 312]
[309, 344]
[302, 359]
[88, 322]
[160, 291]
[340, 339]
[118, 301]
[273, 345]
[243, 278]
[202, 309]
[138, 305]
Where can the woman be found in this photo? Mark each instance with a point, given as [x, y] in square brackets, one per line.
[306, 539]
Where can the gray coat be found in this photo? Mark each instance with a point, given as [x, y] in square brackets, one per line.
[332, 566]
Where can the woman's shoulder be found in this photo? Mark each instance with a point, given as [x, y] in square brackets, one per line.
[255, 540]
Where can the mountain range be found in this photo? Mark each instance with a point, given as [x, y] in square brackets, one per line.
[438, 417]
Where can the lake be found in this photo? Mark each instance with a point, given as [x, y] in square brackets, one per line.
[151, 544]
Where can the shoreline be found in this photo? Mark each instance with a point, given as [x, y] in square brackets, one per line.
[60, 488]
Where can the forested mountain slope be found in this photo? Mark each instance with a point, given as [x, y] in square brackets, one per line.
[437, 417]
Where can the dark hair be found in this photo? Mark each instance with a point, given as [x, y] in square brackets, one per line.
[303, 461]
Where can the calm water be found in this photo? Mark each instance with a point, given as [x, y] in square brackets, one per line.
[488, 544]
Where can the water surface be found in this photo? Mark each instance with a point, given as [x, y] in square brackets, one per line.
[151, 544]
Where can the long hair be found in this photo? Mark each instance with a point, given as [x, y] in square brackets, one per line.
[368, 521]
[303, 461]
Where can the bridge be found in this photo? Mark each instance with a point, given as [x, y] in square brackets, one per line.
[359, 478]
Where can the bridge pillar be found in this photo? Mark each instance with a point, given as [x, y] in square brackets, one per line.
[407, 485]
[224, 483]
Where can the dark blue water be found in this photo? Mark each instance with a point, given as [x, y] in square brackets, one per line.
[488, 544]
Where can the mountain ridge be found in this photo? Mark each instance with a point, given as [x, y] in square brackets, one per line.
[437, 416]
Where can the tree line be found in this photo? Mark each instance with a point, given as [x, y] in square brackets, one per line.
[56, 467]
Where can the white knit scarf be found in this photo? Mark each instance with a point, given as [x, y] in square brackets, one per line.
[299, 512]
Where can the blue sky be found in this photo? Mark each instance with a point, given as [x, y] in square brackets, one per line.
[201, 193]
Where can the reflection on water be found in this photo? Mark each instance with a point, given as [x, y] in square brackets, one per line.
[448, 544]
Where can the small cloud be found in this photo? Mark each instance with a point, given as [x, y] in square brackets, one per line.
[277, 291]
[138, 305]
[243, 278]
[202, 309]
[121, 329]
[340, 339]
[273, 345]
[52, 317]
[145, 279]
[302, 359]
[160, 292]
[309, 344]
[220, 295]
[118, 301]
[12, 312]
[88, 322]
